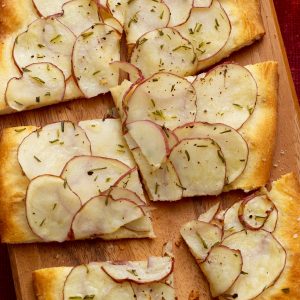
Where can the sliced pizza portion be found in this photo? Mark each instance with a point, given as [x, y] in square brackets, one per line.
[111, 280]
[207, 130]
[251, 261]
[67, 181]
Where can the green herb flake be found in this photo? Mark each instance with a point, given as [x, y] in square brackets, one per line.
[42, 223]
[237, 105]
[133, 272]
[220, 154]
[37, 159]
[41, 46]
[225, 131]
[180, 186]
[25, 70]
[85, 35]
[37, 79]
[20, 130]
[96, 72]
[217, 25]
[54, 206]
[47, 94]
[202, 240]
[62, 126]
[142, 41]
[162, 15]
[37, 99]
[54, 141]
[91, 172]
[156, 188]
[187, 155]
[56, 39]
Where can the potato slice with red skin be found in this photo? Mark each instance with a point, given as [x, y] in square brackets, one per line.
[50, 207]
[41, 84]
[156, 269]
[46, 8]
[134, 72]
[164, 50]
[202, 3]
[264, 259]
[208, 29]
[271, 222]
[227, 94]
[221, 268]
[154, 291]
[143, 16]
[45, 40]
[49, 148]
[144, 133]
[88, 176]
[165, 99]
[79, 15]
[232, 144]
[200, 166]
[200, 237]
[231, 223]
[93, 52]
[180, 11]
[255, 210]
[209, 215]
[102, 215]
[142, 224]
[162, 184]
[90, 282]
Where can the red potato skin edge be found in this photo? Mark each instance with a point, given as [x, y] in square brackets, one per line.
[21, 76]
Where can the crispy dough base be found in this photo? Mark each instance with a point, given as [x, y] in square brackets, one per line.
[246, 27]
[285, 194]
[14, 227]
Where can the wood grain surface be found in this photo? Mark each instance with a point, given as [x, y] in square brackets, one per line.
[168, 217]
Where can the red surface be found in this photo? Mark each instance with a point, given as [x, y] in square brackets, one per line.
[289, 18]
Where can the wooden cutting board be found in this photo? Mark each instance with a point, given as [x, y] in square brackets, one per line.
[168, 217]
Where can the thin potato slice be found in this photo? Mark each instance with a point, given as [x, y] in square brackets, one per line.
[162, 184]
[103, 215]
[133, 71]
[40, 84]
[165, 50]
[50, 208]
[154, 291]
[48, 149]
[208, 29]
[49, 8]
[232, 222]
[143, 16]
[200, 166]
[263, 261]
[180, 11]
[227, 95]
[156, 269]
[88, 176]
[209, 215]
[79, 15]
[254, 212]
[165, 99]
[93, 52]
[200, 237]
[142, 224]
[144, 133]
[232, 144]
[45, 40]
[221, 268]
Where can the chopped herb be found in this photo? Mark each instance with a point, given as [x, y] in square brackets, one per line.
[179, 185]
[133, 272]
[56, 39]
[85, 35]
[54, 206]
[156, 188]
[259, 218]
[91, 172]
[162, 15]
[47, 94]
[160, 32]
[37, 99]
[244, 273]
[25, 70]
[65, 183]
[134, 19]
[225, 131]
[142, 41]
[42, 223]
[217, 25]
[250, 110]
[53, 141]
[121, 146]
[62, 125]
[20, 130]
[182, 46]
[95, 73]
[187, 155]
[237, 105]
[202, 240]
[89, 297]
[37, 79]
[158, 113]
[173, 88]
[153, 103]
[155, 79]
[108, 179]
[37, 159]
[220, 154]
[285, 290]
[41, 46]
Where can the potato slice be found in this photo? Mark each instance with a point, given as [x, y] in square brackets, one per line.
[79, 15]
[134, 72]
[162, 184]
[232, 222]
[271, 222]
[180, 11]
[107, 139]
[90, 282]
[232, 144]
[165, 50]
[143, 16]
[209, 215]
[118, 9]
[156, 269]
[154, 291]
[142, 224]
[45, 40]
[144, 133]
[200, 166]
[227, 95]
[41, 84]
[165, 99]
[208, 29]
[93, 52]
[49, 148]
[131, 181]
[263, 261]
[200, 237]
[221, 268]
[88, 176]
[254, 211]
[50, 208]
[46, 8]
[202, 3]
[103, 215]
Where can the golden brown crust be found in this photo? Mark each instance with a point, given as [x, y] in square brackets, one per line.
[285, 194]
[246, 28]
[49, 283]
[260, 129]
